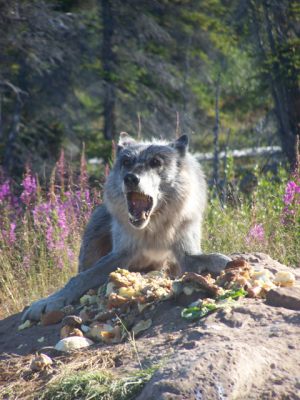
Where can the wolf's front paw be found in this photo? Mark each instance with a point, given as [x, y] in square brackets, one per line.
[217, 262]
[213, 262]
[51, 303]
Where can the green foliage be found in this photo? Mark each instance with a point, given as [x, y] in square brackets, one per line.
[227, 226]
[166, 58]
[98, 385]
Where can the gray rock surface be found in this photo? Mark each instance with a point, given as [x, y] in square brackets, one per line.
[288, 297]
[248, 352]
[251, 351]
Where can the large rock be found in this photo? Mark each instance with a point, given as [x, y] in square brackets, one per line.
[288, 297]
[248, 352]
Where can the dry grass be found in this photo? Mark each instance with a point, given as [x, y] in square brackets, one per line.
[18, 382]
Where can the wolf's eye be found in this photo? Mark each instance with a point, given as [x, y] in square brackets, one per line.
[127, 162]
[155, 162]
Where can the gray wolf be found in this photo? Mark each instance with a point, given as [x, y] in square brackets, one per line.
[154, 200]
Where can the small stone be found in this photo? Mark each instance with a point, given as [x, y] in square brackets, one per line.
[141, 326]
[52, 317]
[287, 297]
[40, 362]
[73, 343]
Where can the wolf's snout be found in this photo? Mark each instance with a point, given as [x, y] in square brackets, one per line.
[131, 180]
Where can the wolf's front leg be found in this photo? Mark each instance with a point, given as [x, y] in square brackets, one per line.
[77, 286]
[212, 262]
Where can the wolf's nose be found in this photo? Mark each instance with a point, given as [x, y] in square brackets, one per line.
[131, 180]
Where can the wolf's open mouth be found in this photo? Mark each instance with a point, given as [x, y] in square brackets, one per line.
[139, 207]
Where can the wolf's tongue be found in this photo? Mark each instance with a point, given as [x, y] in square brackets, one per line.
[138, 204]
[138, 207]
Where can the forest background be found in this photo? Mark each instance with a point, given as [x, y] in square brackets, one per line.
[73, 74]
[82, 71]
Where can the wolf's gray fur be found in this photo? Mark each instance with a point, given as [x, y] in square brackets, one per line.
[154, 200]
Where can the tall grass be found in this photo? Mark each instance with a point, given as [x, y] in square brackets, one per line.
[40, 228]
[40, 231]
[267, 220]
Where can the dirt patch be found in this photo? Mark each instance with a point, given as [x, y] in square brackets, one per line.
[250, 351]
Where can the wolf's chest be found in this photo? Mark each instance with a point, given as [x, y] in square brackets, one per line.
[149, 259]
[156, 255]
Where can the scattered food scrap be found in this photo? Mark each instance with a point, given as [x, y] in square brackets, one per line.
[239, 279]
[284, 279]
[201, 308]
[25, 325]
[123, 306]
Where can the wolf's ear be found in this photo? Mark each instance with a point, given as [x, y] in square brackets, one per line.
[124, 140]
[181, 144]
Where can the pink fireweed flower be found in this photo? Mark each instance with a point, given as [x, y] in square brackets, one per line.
[291, 191]
[29, 188]
[61, 218]
[9, 236]
[256, 234]
[42, 213]
[87, 196]
[4, 191]
[50, 237]
[291, 201]
[12, 234]
[71, 255]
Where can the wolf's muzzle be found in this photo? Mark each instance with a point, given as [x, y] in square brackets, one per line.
[131, 180]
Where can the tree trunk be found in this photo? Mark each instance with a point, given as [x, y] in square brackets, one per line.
[108, 61]
[11, 159]
[9, 153]
[216, 132]
[285, 93]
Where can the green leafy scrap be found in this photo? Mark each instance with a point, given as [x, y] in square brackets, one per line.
[195, 312]
[233, 294]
